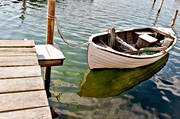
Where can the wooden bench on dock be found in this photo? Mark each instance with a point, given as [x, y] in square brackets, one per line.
[49, 55]
[22, 92]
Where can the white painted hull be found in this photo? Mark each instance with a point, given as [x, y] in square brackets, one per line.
[100, 57]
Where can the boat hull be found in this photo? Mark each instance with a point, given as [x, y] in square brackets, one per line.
[99, 58]
[103, 57]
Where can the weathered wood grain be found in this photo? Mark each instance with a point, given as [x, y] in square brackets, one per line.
[16, 43]
[17, 51]
[18, 72]
[46, 52]
[21, 84]
[112, 39]
[36, 113]
[49, 55]
[125, 45]
[23, 100]
[174, 18]
[50, 22]
[53, 62]
[22, 94]
[167, 42]
[18, 60]
[130, 38]
[121, 35]
[54, 52]
[148, 38]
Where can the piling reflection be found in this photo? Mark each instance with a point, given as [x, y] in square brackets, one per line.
[112, 82]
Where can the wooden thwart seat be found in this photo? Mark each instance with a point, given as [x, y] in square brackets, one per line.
[148, 38]
[145, 40]
[49, 55]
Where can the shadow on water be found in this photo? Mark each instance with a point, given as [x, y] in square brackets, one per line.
[22, 17]
[112, 82]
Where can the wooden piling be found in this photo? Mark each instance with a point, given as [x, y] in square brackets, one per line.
[153, 3]
[157, 14]
[162, 1]
[173, 19]
[50, 22]
[49, 40]
[24, 3]
[47, 76]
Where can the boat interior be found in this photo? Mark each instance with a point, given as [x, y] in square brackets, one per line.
[141, 40]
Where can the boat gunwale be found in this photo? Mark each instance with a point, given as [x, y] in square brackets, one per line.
[172, 34]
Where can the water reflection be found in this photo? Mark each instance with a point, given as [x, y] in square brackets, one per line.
[80, 19]
[154, 1]
[177, 1]
[105, 83]
[22, 17]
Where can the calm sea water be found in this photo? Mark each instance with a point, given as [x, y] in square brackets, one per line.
[156, 98]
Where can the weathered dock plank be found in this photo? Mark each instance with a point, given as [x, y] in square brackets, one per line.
[36, 113]
[18, 61]
[17, 51]
[23, 100]
[16, 43]
[21, 84]
[22, 92]
[19, 72]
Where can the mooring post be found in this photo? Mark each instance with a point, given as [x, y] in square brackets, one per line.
[157, 14]
[162, 1]
[50, 22]
[173, 19]
[24, 3]
[49, 40]
[153, 3]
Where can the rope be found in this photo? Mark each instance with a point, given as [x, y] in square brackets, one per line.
[61, 35]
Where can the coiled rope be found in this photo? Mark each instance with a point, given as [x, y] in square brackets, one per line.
[60, 34]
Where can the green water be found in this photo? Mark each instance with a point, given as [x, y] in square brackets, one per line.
[103, 83]
[157, 97]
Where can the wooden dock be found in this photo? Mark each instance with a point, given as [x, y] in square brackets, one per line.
[22, 92]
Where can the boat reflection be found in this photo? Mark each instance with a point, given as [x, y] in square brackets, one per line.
[112, 82]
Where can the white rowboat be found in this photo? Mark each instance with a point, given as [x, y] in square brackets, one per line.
[100, 55]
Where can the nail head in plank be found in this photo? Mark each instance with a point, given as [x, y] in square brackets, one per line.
[18, 61]
[35, 113]
[23, 100]
[16, 43]
[21, 84]
[18, 72]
